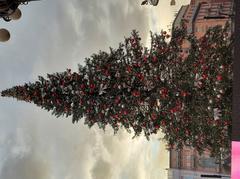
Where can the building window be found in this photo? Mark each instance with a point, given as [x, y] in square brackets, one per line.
[188, 177]
[193, 161]
[190, 161]
[207, 162]
[206, 28]
[196, 29]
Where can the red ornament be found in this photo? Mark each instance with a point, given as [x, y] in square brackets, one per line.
[82, 93]
[117, 99]
[184, 94]
[140, 76]
[157, 127]
[136, 93]
[106, 73]
[92, 86]
[195, 65]
[80, 101]
[129, 69]
[66, 109]
[164, 92]
[163, 123]
[145, 58]
[204, 76]
[125, 112]
[133, 41]
[173, 110]
[82, 86]
[154, 59]
[204, 67]
[201, 61]
[116, 116]
[219, 77]
[137, 64]
[153, 116]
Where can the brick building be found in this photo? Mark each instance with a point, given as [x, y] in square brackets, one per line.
[188, 164]
[199, 16]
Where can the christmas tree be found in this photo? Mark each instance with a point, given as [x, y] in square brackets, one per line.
[149, 89]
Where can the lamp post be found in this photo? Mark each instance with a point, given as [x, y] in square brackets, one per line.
[4, 35]
[150, 2]
[9, 11]
[155, 2]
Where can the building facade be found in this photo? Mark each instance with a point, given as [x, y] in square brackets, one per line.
[188, 164]
[199, 16]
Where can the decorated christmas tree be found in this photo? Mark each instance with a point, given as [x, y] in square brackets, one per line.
[149, 89]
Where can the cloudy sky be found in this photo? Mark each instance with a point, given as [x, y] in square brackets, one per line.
[50, 37]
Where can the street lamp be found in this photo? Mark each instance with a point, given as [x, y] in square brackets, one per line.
[16, 15]
[150, 2]
[4, 35]
[155, 2]
[9, 11]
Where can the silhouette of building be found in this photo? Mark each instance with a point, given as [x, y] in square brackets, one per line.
[199, 16]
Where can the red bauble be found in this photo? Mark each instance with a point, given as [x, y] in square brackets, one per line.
[92, 86]
[82, 86]
[173, 110]
[204, 76]
[157, 126]
[115, 116]
[201, 61]
[153, 116]
[129, 69]
[117, 99]
[136, 93]
[164, 92]
[154, 59]
[140, 76]
[184, 94]
[219, 77]
[163, 123]
[125, 112]
[145, 58]
[106, 73]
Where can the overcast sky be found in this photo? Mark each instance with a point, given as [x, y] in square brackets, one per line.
[54, 35]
